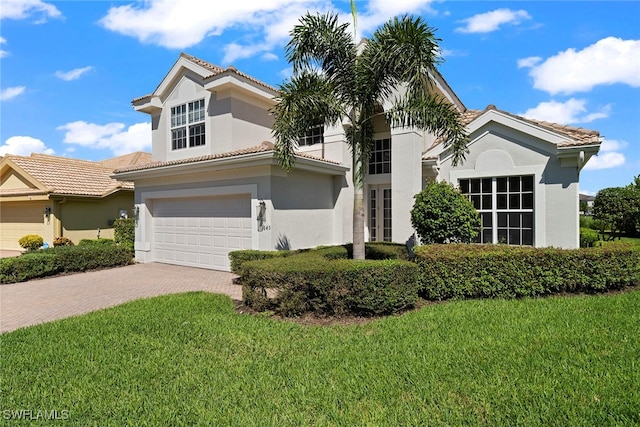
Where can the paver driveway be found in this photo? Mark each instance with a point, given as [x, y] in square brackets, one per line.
[38, 301]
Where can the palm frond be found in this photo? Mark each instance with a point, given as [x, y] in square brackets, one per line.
[403, 51]
[319, 42]
[304, 101]
[436, 114]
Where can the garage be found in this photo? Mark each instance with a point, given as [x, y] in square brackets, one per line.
[200, 232]
[20, 219]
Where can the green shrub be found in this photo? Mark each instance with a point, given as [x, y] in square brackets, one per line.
[586, 221]
[124, 232]
[97, 242]
[588, 237]
[31, 242]
[500, 271]
[62, 241]
[27, 266]
[61, 259]
[309, 282]
[238, 258]
[441, 214]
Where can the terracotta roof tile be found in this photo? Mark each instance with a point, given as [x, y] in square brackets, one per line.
[135, 158]
[266, 146]
[215, 70]
[576, 136]
[62, 175]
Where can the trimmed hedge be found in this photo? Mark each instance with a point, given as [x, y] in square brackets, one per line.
[62, 259]
[238, 258]
[97, 242]
[500, 271]
[309, 282]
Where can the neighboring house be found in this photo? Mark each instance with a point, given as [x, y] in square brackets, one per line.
[589, 203]
[214, 184]
[57, 196]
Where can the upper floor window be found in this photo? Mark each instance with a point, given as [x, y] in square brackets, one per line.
[187, 125]
[380, 160]
[315, 135]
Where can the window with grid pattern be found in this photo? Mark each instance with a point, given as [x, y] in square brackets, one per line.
[380, 159]
[505, 205]
[188, 125]
[315, 135]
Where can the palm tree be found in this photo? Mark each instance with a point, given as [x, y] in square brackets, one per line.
[336, 81]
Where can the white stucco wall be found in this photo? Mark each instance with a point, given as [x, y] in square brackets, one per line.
[232, 121]
[497, 150]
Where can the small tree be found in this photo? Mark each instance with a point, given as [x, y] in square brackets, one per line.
[124, 232]
[619, 208]
[441, 214]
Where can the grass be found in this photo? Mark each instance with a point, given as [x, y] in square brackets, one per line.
[190, 359]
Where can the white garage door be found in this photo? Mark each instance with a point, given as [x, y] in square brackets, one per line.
[201, 232]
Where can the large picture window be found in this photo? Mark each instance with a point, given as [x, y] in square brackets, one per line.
[505, 205]
[187, 125]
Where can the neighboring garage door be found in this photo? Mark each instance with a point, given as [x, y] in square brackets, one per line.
[201, 232]
[18, 219]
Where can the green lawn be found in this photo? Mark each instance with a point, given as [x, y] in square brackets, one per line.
[191, 360]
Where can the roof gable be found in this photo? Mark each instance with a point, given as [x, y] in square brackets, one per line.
[556, 135]
[210, 76]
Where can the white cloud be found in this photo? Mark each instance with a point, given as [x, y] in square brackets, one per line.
[569, 112]
[265, 23]
[529, 62]
[73, 74]
[11, 92]
[3, 53]
[156, 21]
[24, 146]
[608, 61]
[23, 9]
[115, 137]
[268, 56]
[491, 21]
[609, 155]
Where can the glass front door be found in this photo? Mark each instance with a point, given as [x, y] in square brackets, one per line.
[379, 213]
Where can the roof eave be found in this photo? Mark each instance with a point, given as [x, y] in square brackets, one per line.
[265, 158]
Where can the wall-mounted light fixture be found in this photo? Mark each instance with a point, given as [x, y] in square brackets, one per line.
[47, 212]
[136, 212]
[261, 214]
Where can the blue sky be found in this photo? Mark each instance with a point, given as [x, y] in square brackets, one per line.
[69, 69]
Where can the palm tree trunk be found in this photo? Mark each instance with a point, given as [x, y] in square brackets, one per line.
[358, 223]
[358, 199]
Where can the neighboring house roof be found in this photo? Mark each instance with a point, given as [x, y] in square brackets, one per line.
[264, 147]
[586, 198]
[65, 176]
[576, 136]
[135, 158]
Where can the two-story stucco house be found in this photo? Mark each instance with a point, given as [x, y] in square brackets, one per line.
[214, 184]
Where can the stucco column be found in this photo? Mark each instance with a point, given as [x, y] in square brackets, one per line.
[406, 180]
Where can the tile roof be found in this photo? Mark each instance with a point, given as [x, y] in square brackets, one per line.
[576, 136]
[62, 175]
[264, 147]
[215, 70]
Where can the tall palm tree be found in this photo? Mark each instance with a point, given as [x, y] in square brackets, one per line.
[336, 81]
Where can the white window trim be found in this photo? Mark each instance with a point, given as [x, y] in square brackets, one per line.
[187, 125]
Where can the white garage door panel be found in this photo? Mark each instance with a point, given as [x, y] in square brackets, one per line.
[201, 232]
